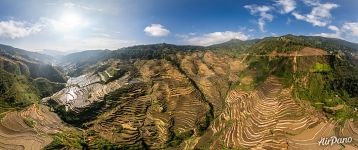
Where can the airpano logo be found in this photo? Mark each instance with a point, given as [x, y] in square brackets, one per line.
[334, 140]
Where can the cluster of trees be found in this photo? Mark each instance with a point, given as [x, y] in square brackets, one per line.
[155, 51]
[289, 43]
[265, 66]
[280, 45]
[234, 47]
[329, 81]
[45, 71]
[45, 87]
[332, 82]
[19, 70]
[16, 91]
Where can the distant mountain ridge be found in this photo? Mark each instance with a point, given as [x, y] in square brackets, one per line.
[274, 88]
[26, 77]
[234, 47]
[53, 53]
[35, 56]
[290, 42]
[163, 96]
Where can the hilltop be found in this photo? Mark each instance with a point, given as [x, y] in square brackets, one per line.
[265, 93]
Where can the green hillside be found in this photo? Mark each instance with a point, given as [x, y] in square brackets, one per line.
[289, 43]
[163, 96]
[34, 56]
[234, 47]
[16, 92]
[25, 79]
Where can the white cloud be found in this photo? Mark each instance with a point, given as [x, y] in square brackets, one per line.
[329, 35]
[18, 29]
[311, 2]
[320, 14]
[263, 12]
[156, 30]
[335, 34]
[73, 5]
[185, 36]
[333, 28]
[216, 37]
[351, 28]
[287, 5]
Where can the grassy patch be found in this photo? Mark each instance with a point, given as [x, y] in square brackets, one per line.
[278, 44]
[101, 143]
[178, 138]
[320, 67]
[16, 92]
[71, 139]
[118, 128]
[47, 88]
[261, 67]
[29, 122]
[328, 87]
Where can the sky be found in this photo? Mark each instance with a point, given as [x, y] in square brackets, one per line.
[65, 25]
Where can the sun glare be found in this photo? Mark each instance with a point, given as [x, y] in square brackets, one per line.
[69, 22]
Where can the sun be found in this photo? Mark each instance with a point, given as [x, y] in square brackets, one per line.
[69, 22]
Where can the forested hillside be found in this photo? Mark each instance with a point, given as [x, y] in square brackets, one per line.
[265, 93]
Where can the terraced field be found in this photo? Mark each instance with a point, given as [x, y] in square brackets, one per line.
[212, 74]
[152, 110]
[274, 93]
[83, 90]
[269, 118]
[29, 129]
[350, 129]
[266, 118]
[196, 101]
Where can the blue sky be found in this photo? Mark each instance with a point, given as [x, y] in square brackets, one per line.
[111, 24]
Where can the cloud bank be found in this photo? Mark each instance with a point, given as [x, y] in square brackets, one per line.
[216, 37]
[156, 30]
[17, 29]
[320, 14]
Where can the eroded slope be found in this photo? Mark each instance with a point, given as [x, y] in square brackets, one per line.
[201, 100]
[29, 128]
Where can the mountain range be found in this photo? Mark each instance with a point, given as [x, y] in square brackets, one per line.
[273, 93]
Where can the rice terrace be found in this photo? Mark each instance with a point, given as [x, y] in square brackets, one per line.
[272, 74]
